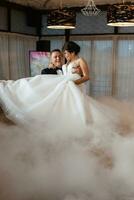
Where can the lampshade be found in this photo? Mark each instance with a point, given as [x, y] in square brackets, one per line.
[62, 18]
[120, 15]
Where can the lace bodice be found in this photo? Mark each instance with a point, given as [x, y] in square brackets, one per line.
[68, 69]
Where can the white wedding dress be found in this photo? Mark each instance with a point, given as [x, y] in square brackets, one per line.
[55, 103]
[61, 135]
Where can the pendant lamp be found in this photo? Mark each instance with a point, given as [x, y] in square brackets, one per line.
[62, 18]
[121, 15]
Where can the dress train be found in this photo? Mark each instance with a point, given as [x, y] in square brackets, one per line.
[63, 144]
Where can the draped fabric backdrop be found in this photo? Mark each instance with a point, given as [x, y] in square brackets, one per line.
[110, 60]
[14, 55]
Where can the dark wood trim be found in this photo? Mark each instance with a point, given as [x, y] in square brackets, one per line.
[109, 34]
[67, 35]
[116, 30]
[89, 34]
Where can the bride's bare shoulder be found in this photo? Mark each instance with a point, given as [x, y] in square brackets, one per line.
[81, 59]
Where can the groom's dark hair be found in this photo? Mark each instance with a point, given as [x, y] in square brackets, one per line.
[55, 50]
[71, 47]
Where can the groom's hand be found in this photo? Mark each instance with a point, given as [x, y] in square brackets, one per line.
[77, 70]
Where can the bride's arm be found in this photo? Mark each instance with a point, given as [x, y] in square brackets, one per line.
[85, 72]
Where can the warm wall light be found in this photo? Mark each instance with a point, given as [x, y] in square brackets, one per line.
[62, 18]
[120, 15]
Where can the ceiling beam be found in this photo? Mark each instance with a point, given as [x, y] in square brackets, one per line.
[45, 11]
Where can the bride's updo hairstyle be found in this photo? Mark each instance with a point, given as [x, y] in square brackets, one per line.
[71, 47]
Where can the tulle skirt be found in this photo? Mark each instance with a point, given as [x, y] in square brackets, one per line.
[63, 144]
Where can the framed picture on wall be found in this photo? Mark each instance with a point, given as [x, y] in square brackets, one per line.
[38, 60]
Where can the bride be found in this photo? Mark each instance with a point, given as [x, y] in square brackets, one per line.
[61, 134]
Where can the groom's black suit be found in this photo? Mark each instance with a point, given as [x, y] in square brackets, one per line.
[51, 70]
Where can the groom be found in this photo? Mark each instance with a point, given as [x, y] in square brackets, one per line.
[55, 66]
[56, 62]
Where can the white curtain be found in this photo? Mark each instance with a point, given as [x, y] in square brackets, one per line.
[101, 68]
[14, 54]
[125, 69]
[19, 47]
[4, 57]
[55, 42]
